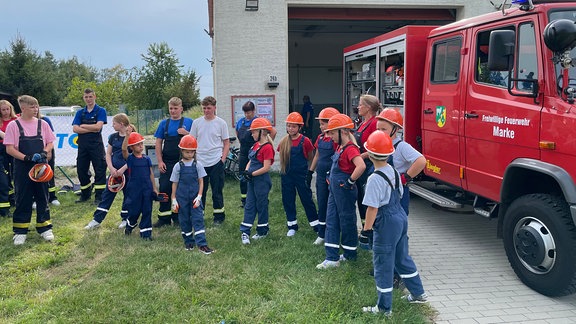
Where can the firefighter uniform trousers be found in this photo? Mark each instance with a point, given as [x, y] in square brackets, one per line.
[191, 219]
[390, 249]
[325, 153]
[91, 149]
[215, 176]
[246, 141]
[109, 196]
[139, 195]
[295, 180]
[4, 184]
[340, 215]
[257, 198]
[170, 156]
[8, 165]
[52, 182]
[27, 190]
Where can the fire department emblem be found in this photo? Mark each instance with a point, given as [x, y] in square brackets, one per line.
[440, 116]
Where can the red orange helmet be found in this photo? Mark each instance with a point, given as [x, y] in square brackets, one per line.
[379, 144]
[295, 118]
[188, 142]
[261, 123]
[339, 121]
[327, 112]
[41, 172]
[135, 138]
[115, 184]
[392, 116]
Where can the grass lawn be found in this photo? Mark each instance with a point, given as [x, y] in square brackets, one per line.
[103, 276]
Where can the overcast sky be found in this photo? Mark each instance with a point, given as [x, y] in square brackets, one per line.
[105, 33]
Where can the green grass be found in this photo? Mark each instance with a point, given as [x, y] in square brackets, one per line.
[103, 276]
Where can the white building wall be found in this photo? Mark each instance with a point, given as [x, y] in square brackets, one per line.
[250, 46]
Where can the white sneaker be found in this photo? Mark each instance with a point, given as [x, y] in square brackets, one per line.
[291, 233]
[258, 236]
[319, 241]
[19, 239]
[48, 235]
[245, 239]
[92, 225]
[34, 205]
[328, 264]
[55, 202]
[122, 224]
[343, 258]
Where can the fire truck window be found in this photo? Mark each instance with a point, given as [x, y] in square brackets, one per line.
[446, 61]
[527, 60]
[482, 73]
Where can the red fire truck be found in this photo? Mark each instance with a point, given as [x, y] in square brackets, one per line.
[489, 101]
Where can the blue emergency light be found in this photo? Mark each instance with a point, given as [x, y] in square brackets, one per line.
[525, 5]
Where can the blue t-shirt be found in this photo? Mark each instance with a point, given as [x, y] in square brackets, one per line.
[172, 127]
[98, 111]
[244, 122]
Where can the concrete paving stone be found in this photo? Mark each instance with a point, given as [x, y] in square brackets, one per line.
[489, 320]
[460, 259]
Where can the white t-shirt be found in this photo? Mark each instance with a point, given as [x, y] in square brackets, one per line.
[377, 192]
[404, 156]
[175, 176]
[210, 135]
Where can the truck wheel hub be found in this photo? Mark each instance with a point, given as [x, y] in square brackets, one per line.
[534, 245]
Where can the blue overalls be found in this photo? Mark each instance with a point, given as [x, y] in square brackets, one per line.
[325, 153]
[341, 214]
[91, 149]
[246, 142]
[170, 156]
[139, 195]
[361, 181]
[109, 196]
[257, 197]
[295, 179]
[26, 190]
[390, 250]
[405, 200]
[191, 219]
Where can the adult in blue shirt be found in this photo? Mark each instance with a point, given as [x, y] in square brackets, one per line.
[88, 124]
[308, 116]
[168, 135]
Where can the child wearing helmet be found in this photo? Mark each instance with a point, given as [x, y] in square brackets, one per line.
[117, 166]
[386, 217]
[261, 157]
[140, 187]
[30, 141]
[187, 185]
[347, 166]
[295, 152]
[405, 159]
[325, 148]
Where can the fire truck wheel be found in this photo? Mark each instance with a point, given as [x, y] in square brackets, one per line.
[540, 242]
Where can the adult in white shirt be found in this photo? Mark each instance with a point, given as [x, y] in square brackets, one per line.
[211, 132]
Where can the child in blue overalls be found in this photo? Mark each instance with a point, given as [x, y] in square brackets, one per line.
[117, 166]
[140, 187]
[387, 218]
[295, 152]
[187, 184]
[406, 160]
[325, 148]
[347, 166]
[261, 157]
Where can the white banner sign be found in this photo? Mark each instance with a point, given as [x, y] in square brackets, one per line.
[66, 140]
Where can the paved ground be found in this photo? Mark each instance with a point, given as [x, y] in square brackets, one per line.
[467, 275]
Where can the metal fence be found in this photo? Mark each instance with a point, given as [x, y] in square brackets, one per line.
[146, 121]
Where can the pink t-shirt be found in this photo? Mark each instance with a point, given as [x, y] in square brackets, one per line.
[30, 129]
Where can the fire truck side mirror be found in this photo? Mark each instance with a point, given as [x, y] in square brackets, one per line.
[501, 50]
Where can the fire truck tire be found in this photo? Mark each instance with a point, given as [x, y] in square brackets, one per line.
[540, 242]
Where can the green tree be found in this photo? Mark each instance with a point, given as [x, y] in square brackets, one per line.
[111, 90]
[186, 89]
